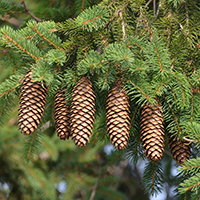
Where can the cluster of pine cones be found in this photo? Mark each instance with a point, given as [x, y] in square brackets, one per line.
[77, 120]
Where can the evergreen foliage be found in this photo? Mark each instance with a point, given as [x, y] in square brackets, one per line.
[153, 47]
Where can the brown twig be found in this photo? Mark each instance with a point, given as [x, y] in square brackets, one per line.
[31, 14]
[118, 11]
[148, 3]
[94, 189]
[158, 10]
[154, 7]
[82, 6]
[123, 25]
[189, 140]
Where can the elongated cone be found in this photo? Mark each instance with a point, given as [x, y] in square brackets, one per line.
[117, 115]
[32, 104]
[82, 111]
[179, 149]
[61, 115]
[152, 131]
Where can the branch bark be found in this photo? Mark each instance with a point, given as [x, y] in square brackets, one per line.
[31, 14]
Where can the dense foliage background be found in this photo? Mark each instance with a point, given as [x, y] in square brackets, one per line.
[41, 166]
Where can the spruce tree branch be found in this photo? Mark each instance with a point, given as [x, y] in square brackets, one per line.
[145, 21]
[117, 12]
[153, 176]
[113, 2]
[82, 5]
[173, 113]
[40, 34]
[158, 10]
[94, 189]
[189, 140]
[187, 15]
[51, 3]
[192, 186]
[154, 7]
[123, 25]
[183, 95]
[148, 3]
[192, 107]
[159, 61]
[20, 47]
[31, 14]
[31, 145]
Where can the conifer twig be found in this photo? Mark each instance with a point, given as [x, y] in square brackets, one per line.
[148, 3]
[82, 5]
[189, 140]
[118, 11]
[123, 25]
[154, 7]
[158, 10]
[94, 189]
[31, 14]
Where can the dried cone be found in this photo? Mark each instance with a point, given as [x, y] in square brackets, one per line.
[82, 111]
[179, 150]
[32, 104]
[152, 131]
[117, 115]
[61, 115]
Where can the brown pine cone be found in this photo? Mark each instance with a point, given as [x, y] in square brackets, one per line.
[152, 131]
[179, 149]
[32, 104]
[62, 115]
[82, 111]
[117, 115]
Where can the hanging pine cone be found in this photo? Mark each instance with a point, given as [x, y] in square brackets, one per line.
[117, 115]
[61, 116]
[82, 111]
[179, 150]
[152, 131]
[32, 104]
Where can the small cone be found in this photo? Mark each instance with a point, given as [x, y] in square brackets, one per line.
[61, 116]
[152, 131]
[117, 115]
[179, 150]
[82, 111]
[32, 104]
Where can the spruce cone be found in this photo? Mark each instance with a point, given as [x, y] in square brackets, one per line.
[152, 131]
[117, 115]
[179, 150]
[32, 104]
[82, 111]
[62, 116]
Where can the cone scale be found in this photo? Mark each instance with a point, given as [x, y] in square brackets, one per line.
[61, 116]
[32, 104]
[117, 114]
[82, 111]
[152, 131]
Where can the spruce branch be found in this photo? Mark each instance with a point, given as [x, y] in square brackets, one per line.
[82, 5]
[154, 7]
[148, 3]
[10, 84]
[159, 6]
[45, 38]
[20, 47]
[183, 94]
[116, 13]
[123, 25]
[94, 189]
[31, 14]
